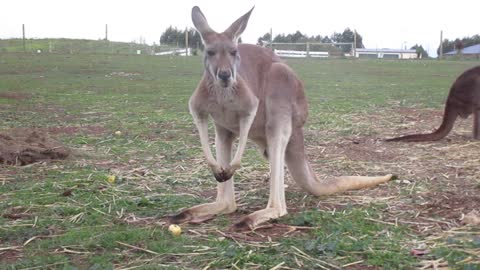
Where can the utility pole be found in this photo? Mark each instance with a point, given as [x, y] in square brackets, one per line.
[186, 41]
[106, 32]
[271, 38]
[441, 45]
[23, 30]
[354, 48]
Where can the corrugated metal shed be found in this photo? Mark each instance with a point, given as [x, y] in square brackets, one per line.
[475, 49]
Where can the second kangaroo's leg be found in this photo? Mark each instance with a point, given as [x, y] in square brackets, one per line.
[476, 124]
[225, 202]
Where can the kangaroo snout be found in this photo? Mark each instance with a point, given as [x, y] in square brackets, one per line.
[224, 75]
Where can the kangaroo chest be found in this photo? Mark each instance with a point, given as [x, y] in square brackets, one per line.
[229, 111]
[226, 114]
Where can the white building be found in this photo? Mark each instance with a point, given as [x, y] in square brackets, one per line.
[386, 53]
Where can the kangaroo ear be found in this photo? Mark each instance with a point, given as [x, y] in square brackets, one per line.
[237, 28]
[200, 22]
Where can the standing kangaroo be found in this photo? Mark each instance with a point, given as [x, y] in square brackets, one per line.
[463, 100]
[250, 93]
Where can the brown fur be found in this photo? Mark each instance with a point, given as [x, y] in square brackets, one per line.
[262, 100]
[463, 100]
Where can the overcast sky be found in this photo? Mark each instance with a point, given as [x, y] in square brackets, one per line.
[383, 24]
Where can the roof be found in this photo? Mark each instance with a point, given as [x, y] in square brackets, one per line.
[475, 49]
[384, 51]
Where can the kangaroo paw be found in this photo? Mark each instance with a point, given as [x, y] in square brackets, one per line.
[223, 176]
[181, 217]
[245, 224]
[187, 216]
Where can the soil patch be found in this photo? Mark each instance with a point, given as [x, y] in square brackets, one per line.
[14, 95]
[362, 149]
[362, 267]
[10, 256]
[72, 130]
[451, 205]
[21, 147]
[267, 233]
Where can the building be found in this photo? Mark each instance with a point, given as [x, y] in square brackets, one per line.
[386, 53]
[468, 52]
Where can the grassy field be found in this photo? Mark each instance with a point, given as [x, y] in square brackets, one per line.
[68, 215]
[76, 46]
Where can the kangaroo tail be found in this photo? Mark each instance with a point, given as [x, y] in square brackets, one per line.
[449, 117]
[304, 176]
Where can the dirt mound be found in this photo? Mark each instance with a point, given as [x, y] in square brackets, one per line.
[21, 147]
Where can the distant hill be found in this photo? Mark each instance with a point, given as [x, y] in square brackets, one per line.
[78, 46]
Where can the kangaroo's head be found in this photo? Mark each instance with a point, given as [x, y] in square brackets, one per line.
[221, 57]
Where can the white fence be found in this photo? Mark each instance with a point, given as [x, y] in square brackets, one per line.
[312, 49]
[176, 52]
[300, 54]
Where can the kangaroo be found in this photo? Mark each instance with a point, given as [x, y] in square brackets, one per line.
[463, 100]
[251, 94]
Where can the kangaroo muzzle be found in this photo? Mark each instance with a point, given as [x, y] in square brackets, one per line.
[225, 77]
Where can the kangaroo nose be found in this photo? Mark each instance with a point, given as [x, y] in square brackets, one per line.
[224, 75]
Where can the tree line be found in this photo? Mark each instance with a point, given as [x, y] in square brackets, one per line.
[347, 36]
[458, 44]
[420, 51]
[176, 37]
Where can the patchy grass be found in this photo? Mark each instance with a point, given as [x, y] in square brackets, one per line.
[75, 46]
[71, 215]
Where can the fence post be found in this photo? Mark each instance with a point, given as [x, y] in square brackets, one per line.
[308, 49]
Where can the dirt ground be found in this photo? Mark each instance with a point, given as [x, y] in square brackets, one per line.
[27, 146]
[438, 181]
[14, 95]
[24, 146]
[437, 184]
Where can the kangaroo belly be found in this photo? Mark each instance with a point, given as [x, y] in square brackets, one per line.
[226, 119]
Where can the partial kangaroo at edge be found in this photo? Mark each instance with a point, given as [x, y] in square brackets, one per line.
[463, 100]
[251, 94]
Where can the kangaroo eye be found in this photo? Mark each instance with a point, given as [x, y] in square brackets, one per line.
[211, 52]
[233, 53]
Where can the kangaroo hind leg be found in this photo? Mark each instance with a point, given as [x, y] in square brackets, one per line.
[476, 124]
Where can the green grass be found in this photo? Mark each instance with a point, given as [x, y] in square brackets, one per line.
[159, 165]
[75, 46]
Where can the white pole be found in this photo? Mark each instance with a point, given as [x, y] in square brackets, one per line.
[440, 56]
[354, 47]
[186, 41]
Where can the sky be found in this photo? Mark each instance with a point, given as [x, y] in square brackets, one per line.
[382, 24]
